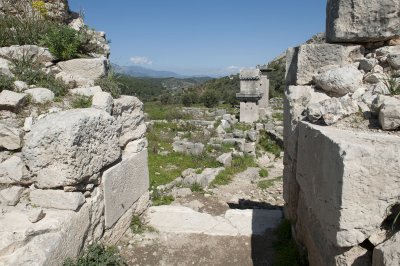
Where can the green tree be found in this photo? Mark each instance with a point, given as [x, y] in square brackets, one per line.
[210, 99]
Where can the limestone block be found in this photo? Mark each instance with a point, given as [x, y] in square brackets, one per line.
[250, 149]
[103, 101]
[65, 148]
[208, 175]
[386, 50]
[339, 81]
[28, 124]
[304, 62]
[10, 137]
[367, 64]
[74, 81]
[225, 159]
[358, 21]
[20, 86]
[252, 135]
[57, 199]
[389, 114]
[12, 101]
[88, 68]
[10, 196]
[387, 253]
[41, 54]
[40, 95]
[188, 147]
[342, 177]
[35, 215]
[124, 184]
[88, 92]
[134, 147]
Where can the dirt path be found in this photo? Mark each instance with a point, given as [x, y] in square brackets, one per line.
[227, 225]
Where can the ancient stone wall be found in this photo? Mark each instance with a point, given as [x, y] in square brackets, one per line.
[341, 137]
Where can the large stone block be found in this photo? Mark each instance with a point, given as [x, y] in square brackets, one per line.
[28, 51]
[304, 62]
[57, 199]
[387, 253]
[341, 175]
[123, 185]
[10, 137]
[90, 68]
[362, 20]
[65, 148]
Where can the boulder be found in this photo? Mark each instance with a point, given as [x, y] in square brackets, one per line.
[14, 171]
[128, 111]
[35, 215]
[10, 196]
[188, 147]
[65, 148]
[367, 64]
[74, 81]
[386, 50]
[358, 21]
[57, 199]
[135, 147]
[389, 114]
[10, 137]
[252, 135]
[88, 68]
[28, 124]
[12, 101]
[339, 81]
[225, 124]
[103, 101]
[394, 60]
[40, 95]
[332, 110]
[123, 185]
[304, 62]
[387, 253]
[88, 92]
[5, 68]
[20, 86]
[225, 159]
[41, 54]
[250, 149]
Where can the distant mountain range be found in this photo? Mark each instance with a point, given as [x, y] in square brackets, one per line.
[142, 72]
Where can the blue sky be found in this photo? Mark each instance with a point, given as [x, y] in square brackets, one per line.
[202, 37]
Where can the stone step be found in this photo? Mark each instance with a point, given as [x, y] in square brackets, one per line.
[183, 220]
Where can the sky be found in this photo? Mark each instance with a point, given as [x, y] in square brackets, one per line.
[202, 37]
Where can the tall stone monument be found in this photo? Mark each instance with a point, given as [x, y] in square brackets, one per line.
[254, 93]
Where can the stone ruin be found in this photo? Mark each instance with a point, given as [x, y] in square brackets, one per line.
[68, 177]
[342, 144]
[254, 94]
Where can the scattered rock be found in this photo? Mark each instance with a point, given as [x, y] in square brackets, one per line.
[181, 192]
[88, 92]
[14, 171]
[367, 64]
[103, 101]
[252, 135]
[40, 95]
[394, 60]
[12, 101]
[57, 199]
[134, 147]
[10, 196]
[225, 159]
[339, 81]
[35, 215]
[10, 137]
[28, 124]
[389, 114]
[5, 68]
[41, 54]
[188, 147]
[20, 86]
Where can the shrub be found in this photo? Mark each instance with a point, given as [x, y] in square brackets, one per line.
[158, 199]
[28, 69]
[263, 172]
[187, 100]
[97, 255]
[62, 41]
[209, 99]
[267, 144]
[110, 84]
[6, 83]
[81, 102]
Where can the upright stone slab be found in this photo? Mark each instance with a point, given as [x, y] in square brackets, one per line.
[362, 20]
[123, 185]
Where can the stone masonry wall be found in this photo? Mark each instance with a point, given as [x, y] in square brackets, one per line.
[342, 144]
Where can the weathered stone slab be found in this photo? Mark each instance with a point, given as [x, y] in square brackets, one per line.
[304, 62]
[362, 20]
[65, 148]
[10, 100]
[10, 196]
[90, 68]
[10, 137]
[40, 95]
[103, 101]
[340, 173]
[124, 184]
[13, 171]
[57, 199]
[225, 159]
[188, 147]
[88, 92]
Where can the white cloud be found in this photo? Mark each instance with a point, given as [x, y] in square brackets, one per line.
[141, 60]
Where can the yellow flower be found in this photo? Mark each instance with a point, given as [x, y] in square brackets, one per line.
[40, 7]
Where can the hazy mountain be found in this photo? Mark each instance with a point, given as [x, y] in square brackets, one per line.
[140, 72]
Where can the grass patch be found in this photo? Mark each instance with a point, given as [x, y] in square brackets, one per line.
[138, 227]
[159, 199]
[287, 251]
[81, 101]
[110, 84]
[239, 164]
[6, 83]
[263, 172]
[242, 126]
[97, 255]
[158, 111]
[196, 188]
[264, 184]
[278, 116]
[267, 144]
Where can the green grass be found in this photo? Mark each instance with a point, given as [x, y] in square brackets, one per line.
[268, 145]
[6, 83]
[97, 255]
[160, 199]
[242, 126]
[263, 172]
[196, 188]
[264, 184]
[81, 102]
[278, 116]
[137, 226]
[158, 111]
[287, 251]
[239, 164]
[111, 84]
